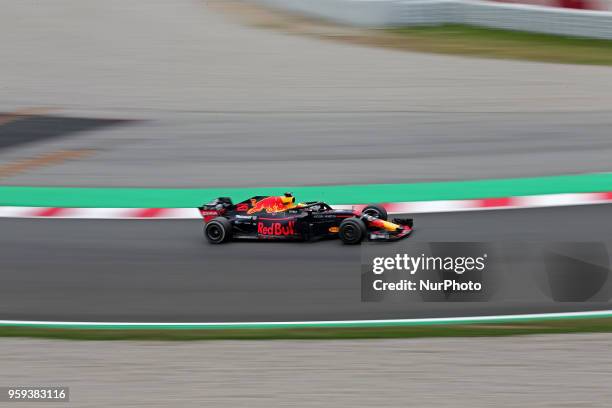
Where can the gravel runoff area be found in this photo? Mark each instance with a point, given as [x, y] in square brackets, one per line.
[527, 371]
[256, 106]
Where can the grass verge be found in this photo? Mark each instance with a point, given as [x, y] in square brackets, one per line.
[454, 39]
[505, 44]
[558, 326]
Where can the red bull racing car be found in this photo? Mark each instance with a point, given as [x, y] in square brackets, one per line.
[281, 218]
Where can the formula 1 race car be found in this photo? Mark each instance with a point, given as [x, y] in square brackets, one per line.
[281, 218]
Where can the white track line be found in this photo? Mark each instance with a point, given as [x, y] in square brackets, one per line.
[322, 323]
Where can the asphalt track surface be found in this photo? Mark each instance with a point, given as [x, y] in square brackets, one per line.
[162, 271]
[217, 103]
[224, 104]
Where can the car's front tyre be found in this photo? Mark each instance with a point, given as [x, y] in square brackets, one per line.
[352, 231]
[377, 211]
[218, 230]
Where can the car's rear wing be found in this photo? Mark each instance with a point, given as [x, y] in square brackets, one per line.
[215, 208]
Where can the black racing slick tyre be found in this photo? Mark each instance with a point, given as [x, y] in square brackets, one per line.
[218, 230]
[352, 231]
[377, 211]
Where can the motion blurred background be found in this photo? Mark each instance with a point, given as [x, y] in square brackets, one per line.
[290, 93]
[201, 90]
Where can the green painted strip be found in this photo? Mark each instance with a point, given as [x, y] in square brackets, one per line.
[340, 194]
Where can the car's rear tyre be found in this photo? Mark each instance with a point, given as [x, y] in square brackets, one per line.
[377, 211]
[218, 230]
[352, 231]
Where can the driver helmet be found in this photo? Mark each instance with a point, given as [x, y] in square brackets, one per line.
[288, 200]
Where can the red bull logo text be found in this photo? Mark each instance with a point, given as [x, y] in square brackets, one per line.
[268, 204]
[276, 228]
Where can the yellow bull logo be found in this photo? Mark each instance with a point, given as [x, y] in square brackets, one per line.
[268, 204]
